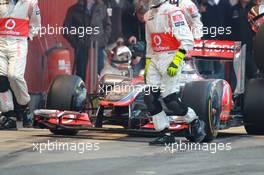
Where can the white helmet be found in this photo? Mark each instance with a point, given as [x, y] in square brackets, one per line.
[155, 3]
[122, 57]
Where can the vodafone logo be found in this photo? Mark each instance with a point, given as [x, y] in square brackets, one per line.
[157, 40]
[10, 24]
[14, 27]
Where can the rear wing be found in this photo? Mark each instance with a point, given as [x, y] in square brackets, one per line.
[218, 49]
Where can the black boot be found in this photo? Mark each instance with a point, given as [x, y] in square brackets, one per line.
[8, 121]
[165, 139]
[27, 117]
[23, 114]
[197, 130]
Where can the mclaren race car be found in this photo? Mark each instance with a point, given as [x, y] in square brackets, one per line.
[119, 101]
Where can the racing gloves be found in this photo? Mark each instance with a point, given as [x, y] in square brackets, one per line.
[146, 68]
[174, 66]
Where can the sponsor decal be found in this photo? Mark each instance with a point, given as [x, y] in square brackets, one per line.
[177, 18]
[164, 42]
[193, 10]
[14, 26]
[178, 24]
[215, 48]
[10, 24]
[157, 40]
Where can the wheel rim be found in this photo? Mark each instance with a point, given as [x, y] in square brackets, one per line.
[214, 110]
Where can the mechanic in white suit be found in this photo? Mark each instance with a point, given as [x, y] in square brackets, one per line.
[168, 39]
[19, 21]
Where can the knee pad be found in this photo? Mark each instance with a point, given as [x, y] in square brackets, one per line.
[175, 105]
[152, 102]
[4, 84]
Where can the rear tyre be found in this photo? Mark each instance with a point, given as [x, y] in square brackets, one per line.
[67, 92]
[205, 98]
[253, 107]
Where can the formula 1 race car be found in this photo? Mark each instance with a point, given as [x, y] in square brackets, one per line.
[120, 98]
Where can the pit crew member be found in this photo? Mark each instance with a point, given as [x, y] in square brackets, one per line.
[168, 39]
[19, 20]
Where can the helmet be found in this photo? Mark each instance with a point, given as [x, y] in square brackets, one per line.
[256, 17]
[122, 57]
[155, 3]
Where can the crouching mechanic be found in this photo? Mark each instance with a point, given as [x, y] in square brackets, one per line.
[168, 39]
[19, 20]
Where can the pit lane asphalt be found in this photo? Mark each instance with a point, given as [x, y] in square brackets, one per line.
[120, 154]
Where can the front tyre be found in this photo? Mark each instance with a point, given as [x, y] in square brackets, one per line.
[66, 93]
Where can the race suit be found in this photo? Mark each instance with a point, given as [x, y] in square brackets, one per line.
[167, 31]
[193, 17]
[109, 69]
[19, 21]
